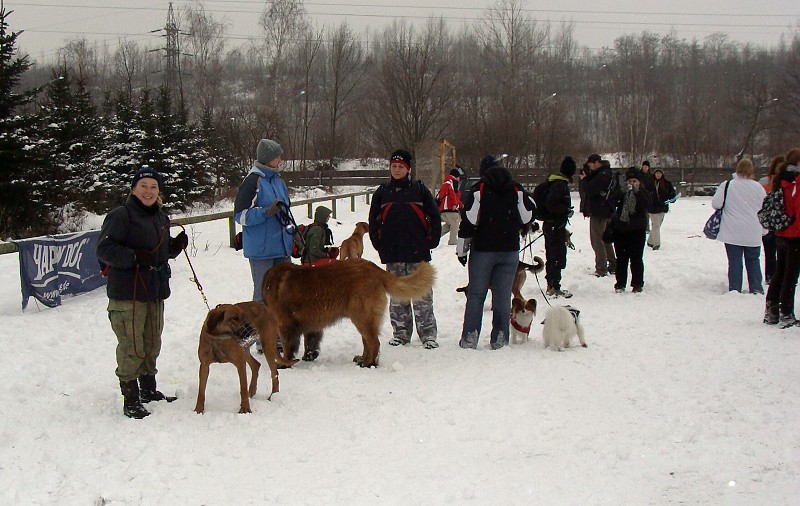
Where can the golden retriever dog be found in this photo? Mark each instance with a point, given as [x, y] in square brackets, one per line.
[521, 276]
[305, 300]
[353, 246]
[220, 342]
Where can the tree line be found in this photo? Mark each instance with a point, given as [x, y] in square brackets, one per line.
[73, 130]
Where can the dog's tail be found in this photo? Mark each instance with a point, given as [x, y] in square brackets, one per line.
[411, 287]
[536, 268]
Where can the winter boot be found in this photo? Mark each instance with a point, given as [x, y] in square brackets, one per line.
[147, 382]
[132, 406]
[771, 313]
[787, 320]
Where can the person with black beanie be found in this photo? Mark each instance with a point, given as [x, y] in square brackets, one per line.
[404, 226]
[555, 216]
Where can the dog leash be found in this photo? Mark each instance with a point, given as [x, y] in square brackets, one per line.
[193, 279]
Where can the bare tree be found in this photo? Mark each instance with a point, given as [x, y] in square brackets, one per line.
[128, 66]
[205, 44]
[345, 70]
[411, 99]
[283, 22]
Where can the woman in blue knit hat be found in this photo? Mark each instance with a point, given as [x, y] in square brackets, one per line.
[134, 247]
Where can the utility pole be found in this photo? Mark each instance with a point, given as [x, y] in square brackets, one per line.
[172, 76]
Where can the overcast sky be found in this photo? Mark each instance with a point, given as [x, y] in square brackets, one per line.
[49, 23]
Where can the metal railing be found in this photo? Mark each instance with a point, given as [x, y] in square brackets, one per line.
[10, 247]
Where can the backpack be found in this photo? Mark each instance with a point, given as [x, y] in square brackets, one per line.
[772, 214]
[299, 240]
[614, 190]
[539, 196]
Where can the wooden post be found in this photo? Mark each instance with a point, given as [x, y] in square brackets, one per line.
[231, 231]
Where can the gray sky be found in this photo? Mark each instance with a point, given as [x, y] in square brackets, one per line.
[49, 23]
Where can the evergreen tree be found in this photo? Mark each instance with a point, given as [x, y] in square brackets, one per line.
[18, 212]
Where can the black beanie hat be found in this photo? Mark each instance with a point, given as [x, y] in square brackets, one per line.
[633, 173]
[402, 156]
[568, 166]
[456, 172]
[487, 162]
[150, 172]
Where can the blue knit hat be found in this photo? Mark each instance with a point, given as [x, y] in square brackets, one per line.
[150, 172]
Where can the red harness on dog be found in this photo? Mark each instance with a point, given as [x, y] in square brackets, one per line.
[517, 326]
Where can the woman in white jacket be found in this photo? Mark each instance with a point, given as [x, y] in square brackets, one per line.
[739, 229]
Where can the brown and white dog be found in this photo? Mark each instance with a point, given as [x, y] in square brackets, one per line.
[519, 277]
[305, 300]
[353, 246]
[220, 343]
[560, 325]
[522, 314]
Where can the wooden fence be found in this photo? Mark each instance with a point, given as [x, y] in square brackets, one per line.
[10, 247]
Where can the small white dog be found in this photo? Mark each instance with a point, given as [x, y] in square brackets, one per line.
[560, 324]
[522, 313]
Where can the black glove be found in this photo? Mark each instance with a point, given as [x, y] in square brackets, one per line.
[144, 257]
[273, 209]
[181, 241]
[463, 260]
[534, 226]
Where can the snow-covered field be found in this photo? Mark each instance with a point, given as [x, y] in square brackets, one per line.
[682, 397]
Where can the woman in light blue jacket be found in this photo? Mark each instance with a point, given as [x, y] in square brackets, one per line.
[265, 237]
[739, 228]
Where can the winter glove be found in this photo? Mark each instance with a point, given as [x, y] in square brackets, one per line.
[273, 209]
[463, 260]
[178, 244]
[534, 227]
[570, 213]
[144, 257]
[462, 249]
[181, 241]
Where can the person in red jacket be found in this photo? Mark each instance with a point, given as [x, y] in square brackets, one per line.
[780, 295]
[450, 204]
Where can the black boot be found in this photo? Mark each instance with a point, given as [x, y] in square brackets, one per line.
[771, 313]
[132, 406]
[149, 392]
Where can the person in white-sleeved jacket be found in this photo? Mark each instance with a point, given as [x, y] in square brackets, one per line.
[739, 228]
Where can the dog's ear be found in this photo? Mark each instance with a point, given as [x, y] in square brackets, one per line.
[531, 305]
[517, 305]
[215, 316]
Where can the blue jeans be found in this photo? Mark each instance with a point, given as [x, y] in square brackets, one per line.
[258, 268]
[752, 264]
[495, 270]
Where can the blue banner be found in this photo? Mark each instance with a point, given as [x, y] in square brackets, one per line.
[57, 265]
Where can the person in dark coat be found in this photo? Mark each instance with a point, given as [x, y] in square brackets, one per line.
[629, 230]
[662, 191]
[558, 210]
[596, 206]
[496, 210]
[135, 245]
[318, 236]
[404, 226]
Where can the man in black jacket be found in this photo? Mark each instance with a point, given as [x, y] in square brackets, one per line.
[404, 226]
[557, 211]
[595, 204]
[496, 209]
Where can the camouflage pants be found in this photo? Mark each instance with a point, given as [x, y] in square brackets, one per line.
[138, 329]
[403, 315]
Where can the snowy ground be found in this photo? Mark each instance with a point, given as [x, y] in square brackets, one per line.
[682, 397]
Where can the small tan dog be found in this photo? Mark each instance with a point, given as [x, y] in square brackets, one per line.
[521, 276]
[220, 342]
[353, 246]
[522, 314]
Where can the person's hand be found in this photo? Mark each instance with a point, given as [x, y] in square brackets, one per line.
[570, 213]
[534, 227]
[181, 240]
[273, 209]
[463, 260]
[144, 257]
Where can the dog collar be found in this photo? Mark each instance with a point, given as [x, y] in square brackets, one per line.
[520, 328]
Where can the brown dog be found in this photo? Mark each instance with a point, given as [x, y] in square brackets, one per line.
[521, 276]
[219, 344]
[305, 300]
[353, 246]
